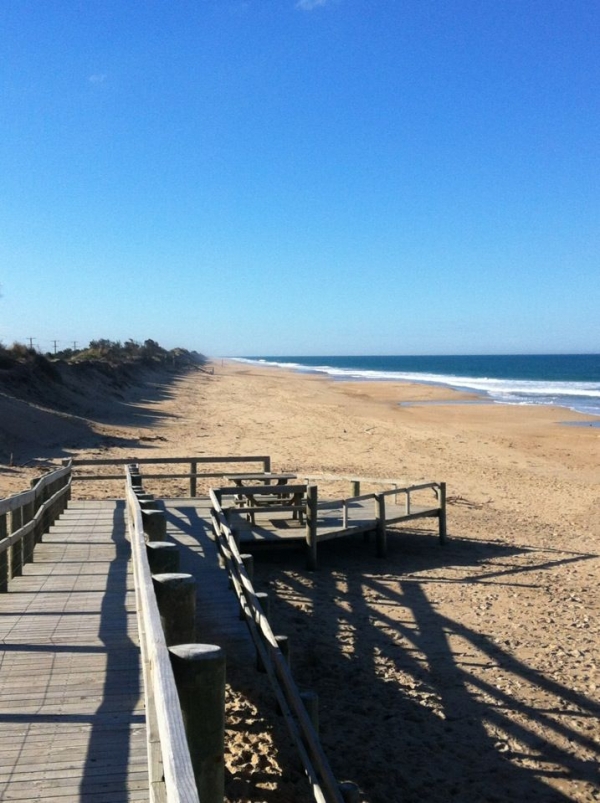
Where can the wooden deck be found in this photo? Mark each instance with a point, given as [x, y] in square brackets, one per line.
[72, 719]
[72, 722]
[281, 528]
[217, 608]
[71, 704]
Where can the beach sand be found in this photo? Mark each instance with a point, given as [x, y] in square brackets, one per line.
[464, 672]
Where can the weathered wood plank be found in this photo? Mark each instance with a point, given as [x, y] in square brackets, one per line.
[71, 706]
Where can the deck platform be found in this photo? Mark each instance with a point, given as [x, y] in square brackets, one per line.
[71, 702]
[283, 529]
[72, 720]
[217, 607]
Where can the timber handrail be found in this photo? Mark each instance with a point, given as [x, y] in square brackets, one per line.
[170, 766]
[193, 474]
[324, 786]
[26, 516]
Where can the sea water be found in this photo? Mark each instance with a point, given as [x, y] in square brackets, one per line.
[564, 380]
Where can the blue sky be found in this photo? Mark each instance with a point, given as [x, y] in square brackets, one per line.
[312, 177]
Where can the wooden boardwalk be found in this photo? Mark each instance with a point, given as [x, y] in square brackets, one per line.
[217, 608]
[281, 528]
[72, 722]
[71, 703]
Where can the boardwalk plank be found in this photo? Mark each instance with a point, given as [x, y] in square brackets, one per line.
[71, 704]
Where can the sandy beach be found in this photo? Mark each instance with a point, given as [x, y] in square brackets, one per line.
[467, 672]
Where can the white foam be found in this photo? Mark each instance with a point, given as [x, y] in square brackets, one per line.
[581, 396]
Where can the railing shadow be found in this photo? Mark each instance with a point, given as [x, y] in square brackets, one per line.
[256, 775]
[415, 704]
[106, 767]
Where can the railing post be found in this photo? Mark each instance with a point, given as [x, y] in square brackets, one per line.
[193, 477]
[442, 520]
[199, 671]
[350, 792]
[16, 550]
[136, 477]
[311, 527]
[380, 531]
[163, 557]
[155, 524]
[29, 539]
[355, 487]
[311, 703]
[3, 557]
[264, 601]
[176, 600]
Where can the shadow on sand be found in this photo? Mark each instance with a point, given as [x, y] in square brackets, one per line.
[416, 705]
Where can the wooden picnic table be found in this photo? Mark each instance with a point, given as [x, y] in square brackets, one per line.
[271, 497]
[260, 477]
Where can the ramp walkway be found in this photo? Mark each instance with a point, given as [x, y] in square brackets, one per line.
[71, 703]
[217, 608]
[72, 718]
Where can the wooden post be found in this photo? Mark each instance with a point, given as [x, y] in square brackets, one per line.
[39, 527]
[283, 643]
[267, 465]
[248, 561]
[193, 477]
[263, 600]
[45, 517]
[199, 671]
[355, 487]
[163, 557]
[442, 520]
[380, 531]
[29, 539]
[3, 557]
[155, 525]
[349, 791]
[136, 477]
[311, 527]
[311, 703]
[176, 600]
[16, 550]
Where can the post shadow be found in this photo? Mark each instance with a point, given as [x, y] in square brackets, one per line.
[426, 735]
[106, 766]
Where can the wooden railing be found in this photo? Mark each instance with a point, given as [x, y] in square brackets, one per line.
[26, 516]
[411, 510]
[170, 767]
[264, 461]
[325, 788]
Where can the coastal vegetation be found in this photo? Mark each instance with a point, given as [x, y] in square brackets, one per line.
[46, 399]
[111, 352]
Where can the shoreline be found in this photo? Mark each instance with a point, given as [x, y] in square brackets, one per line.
[442, 381]
[424, 392]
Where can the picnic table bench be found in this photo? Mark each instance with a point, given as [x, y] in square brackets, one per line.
[268, 490]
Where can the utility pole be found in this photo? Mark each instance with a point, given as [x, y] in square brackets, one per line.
[55, 342]
[74, 345]
[30, 342]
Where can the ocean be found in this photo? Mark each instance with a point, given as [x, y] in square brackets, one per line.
[564, 380]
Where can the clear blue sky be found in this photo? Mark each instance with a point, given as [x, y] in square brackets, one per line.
[301, 177]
